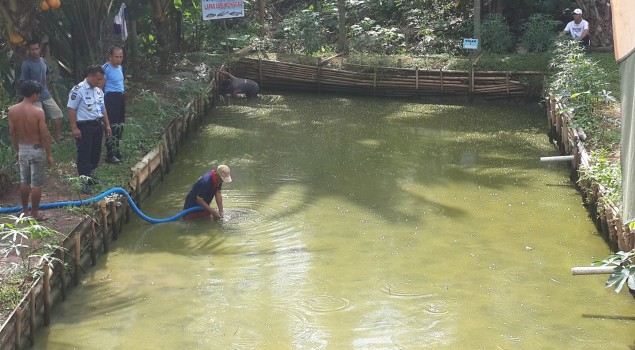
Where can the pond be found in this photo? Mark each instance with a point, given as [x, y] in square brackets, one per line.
[357, 223]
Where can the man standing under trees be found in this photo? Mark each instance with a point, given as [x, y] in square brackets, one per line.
[115, 102]
[32, 144]
[89, 120]
[578, 28]
[35, 68]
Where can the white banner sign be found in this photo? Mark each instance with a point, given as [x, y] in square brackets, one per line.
[220, 9]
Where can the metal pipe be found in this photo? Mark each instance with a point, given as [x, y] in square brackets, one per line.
[557, 158]
[593, 270]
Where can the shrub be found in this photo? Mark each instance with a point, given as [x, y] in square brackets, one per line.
[300, 33]
[367, 36]
[538, 33]
[496, 36]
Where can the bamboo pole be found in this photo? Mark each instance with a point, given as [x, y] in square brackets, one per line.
[113, 219]
[319, 77]
[260, 70]
[375, 82]
[417, 80]
[77, 257]
[18, 327]
[32, 323]
[46, 293]
[62, 273]
[91, 242]
[149, 178]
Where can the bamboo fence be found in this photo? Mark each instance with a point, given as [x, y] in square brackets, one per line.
[605, 214]
[92, 236]
[385, 81]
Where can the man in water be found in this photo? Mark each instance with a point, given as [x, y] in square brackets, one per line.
[238, 86]
[31, 140]
[204, 189]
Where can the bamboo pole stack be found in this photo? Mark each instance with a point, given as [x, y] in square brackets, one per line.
[383, 81]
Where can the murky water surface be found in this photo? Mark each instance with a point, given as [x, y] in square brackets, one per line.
[357, 223]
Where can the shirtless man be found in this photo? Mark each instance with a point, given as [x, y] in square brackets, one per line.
[32, 143]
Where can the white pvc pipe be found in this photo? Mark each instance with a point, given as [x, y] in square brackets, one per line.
[557, 158]
[593, 270]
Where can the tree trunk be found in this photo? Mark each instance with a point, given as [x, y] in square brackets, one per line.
[477, 22]
[342, 45]
[261, 17]
[134, 49]
[163, 46]
[598, 14]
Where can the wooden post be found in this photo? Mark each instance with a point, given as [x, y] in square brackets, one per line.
[78, 252]
[62, 273]
[46, 293]
[417, 81]
[149, 179]
[260, 70]
[471, 82]
[32, 324]
[113, 220]
[104, 227]
[507, 82]
[375, 82]
[126, 210]
[441, 75]
[91, 242]
[319, 75]
[161, 172]
[18, 327]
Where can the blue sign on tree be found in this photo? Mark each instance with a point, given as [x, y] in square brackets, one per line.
[221, 9]
[470, 44]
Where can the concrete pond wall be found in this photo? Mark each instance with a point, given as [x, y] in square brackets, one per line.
[92, 236]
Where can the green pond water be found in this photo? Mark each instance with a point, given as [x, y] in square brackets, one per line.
[357, 223]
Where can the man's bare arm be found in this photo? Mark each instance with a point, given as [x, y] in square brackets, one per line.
[45, 137]
[227, 74]
[13, 132]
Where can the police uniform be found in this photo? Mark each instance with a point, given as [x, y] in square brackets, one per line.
[88, 102]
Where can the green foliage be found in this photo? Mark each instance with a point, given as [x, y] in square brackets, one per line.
[605, 171]
[580, 84]
[624, 273]
[368, 36]
[32, 243]
[496, 36]
[539, 33]
[9, 296]
[303, 32]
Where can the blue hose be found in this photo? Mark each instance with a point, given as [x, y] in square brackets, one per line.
[99, 197]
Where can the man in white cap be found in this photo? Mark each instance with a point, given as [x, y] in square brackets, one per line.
[204, 189]
[578, 28]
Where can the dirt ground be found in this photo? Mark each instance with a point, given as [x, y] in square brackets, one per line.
[55, 190]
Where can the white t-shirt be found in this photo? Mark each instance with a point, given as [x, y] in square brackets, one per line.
[576, 29]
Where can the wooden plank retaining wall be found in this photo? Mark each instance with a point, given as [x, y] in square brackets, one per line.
[385, 81]
[606, 217]
[91, 237]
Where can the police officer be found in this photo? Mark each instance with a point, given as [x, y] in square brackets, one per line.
[89, 120]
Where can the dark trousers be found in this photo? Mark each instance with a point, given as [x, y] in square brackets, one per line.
[116, 109]
[89, 147]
